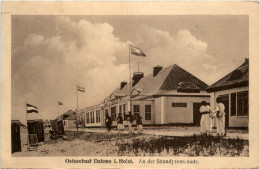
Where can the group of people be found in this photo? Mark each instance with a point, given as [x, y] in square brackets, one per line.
[208, 115]
[120, 124]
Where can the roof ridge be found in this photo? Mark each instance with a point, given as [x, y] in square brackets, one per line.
[143, 77]
[168, 79]
[192, 75]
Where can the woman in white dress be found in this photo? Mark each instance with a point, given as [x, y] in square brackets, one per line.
[205, 121]
[220, 117]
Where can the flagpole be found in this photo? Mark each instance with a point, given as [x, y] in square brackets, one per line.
[77, 98]
[26, 111]
[130, 89]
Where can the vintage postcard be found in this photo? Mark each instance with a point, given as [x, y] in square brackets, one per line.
[130, 85]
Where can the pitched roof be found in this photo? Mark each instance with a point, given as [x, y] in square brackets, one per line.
[237, 78]
[71, 117]
[65, 115]
[178, 75]
[165, 81]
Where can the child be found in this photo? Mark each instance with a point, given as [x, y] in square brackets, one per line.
[139, 122]
[130, 121]
[205, 121]
[108, 121]
[119, 120]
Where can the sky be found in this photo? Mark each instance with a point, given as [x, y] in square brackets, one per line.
[53, 54]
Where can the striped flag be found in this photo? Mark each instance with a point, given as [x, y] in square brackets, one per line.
[81, 89]
[31, 109]
[136, 51]
[60, 103]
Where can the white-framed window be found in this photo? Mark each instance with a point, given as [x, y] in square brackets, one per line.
[179, 104]
[92, 117]
[136, 110]
[120, 108]
[124, 111]
[65, 123]
[97, 116]
[242, 103]
[239, 103]
[233, 104]
[113, 113]
[88, 119]
[148, 112]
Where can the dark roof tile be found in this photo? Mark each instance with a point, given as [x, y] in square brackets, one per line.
[229, 81]
[166, 80]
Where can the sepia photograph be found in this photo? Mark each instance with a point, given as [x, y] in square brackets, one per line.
[130, 85]
[131, 89]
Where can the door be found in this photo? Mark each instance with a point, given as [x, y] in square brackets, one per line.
[225, 101]
[196, 114]
[36, 128]
[16, 139]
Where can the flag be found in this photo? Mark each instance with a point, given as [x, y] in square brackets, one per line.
[31, 109]
[60, 103]
[81, 89]
[136, 51]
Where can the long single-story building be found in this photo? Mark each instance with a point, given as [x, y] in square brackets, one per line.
[233, 89]
[167, 96]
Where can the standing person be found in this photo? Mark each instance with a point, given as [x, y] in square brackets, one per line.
[130, 121]
[77, 124]
[108, 122]
[220, 117]
[82, 124]
[139, 123]
[205, 121]
[119, 120]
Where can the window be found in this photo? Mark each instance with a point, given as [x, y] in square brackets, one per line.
[65, 123]
[124, 112]
[233, 104]
[84, 118]
[148, 112]
[242, 103]
[136, 110]
[237, 74]
[120, 108]
[187, 87]
[92, 117]
[124, 108]
[113, 113]
[88, 121]
[106, 111]
[97, 116]
[179, 104]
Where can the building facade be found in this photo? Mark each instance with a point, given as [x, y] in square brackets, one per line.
[167, 96]
[234, 91]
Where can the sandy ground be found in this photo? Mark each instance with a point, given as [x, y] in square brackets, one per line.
[99, 142]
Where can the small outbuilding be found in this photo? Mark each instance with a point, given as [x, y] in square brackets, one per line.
[16, 138]
[68, 119]
[36, 127]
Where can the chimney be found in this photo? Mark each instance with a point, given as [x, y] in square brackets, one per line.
[137, 76]
[123, 83]
[246, 60]
[156, 70]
